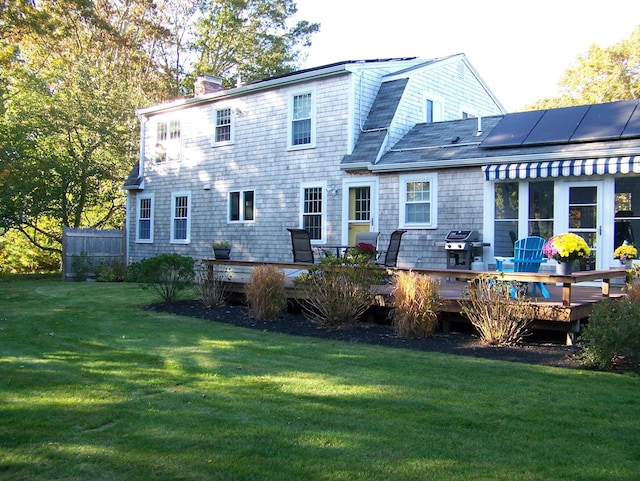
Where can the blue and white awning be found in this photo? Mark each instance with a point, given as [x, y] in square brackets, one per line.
[563, 168]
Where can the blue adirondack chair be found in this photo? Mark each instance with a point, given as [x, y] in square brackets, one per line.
[527, 257]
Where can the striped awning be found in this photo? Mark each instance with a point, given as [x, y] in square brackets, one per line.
[563, 168]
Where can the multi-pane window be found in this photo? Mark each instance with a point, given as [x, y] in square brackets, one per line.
[417, 203]
[627, 211]
[241, 206]
[506, 218]
[541, 209]
[168, 141]
[301, 120]
[223, 125]
[361, 203]
[312, 211]
[180, 220]
[144, 232]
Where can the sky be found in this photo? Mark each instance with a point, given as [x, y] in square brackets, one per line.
[520, 49]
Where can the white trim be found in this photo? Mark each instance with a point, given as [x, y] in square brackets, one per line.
[241, 213]
[232, 126]
[174, 196]
[365, 181]
[437, 100]
[170, 144]
[432, 179]
[323, 222]
[139, 198]
[292, 95]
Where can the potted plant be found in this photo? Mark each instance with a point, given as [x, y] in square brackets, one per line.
[625, 254]
[222, 249]
[362, 252]
[565, 249]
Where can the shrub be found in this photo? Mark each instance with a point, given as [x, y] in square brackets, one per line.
[114, 272]
[416, 304]
[210, 290]
[265, 292]
[338, 290]
[81, 265]
[167, 275]
[499, 318]
[612, 331]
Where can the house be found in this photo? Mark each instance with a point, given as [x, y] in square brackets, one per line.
[309, 149]
[541, 173]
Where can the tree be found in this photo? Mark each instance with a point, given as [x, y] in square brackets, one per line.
[68, 117]
[73, 73]
[250, 39]
[600, 75]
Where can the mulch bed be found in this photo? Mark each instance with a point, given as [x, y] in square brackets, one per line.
[534, 350]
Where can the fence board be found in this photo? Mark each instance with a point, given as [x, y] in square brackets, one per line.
[99, 245]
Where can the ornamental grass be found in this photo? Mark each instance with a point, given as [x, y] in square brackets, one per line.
[416, 304]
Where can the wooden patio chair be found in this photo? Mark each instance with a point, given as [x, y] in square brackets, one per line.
[527, 257]
[389, 258]
[301, 244]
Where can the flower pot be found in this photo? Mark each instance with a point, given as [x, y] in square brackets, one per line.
[626, 265]
[564, 268]
[222, 252]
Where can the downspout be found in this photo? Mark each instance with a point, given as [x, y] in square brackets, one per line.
[127, 222]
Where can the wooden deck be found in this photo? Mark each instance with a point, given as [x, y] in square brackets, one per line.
[571, 301]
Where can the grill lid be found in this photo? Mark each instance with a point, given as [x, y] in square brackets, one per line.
[462, 236]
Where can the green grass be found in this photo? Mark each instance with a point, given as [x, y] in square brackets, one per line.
[94, 388]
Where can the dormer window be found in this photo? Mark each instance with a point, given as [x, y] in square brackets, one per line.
[434, 109]
[168, 141]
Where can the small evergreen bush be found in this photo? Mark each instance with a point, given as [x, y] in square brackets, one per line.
[167, 275]
[416, 304]
[338, 290]
[613, 331]
[499, 318]
[265, 292]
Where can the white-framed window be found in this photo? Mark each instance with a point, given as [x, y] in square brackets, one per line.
[181, 217]
[241, 206]
[418, 199]
[224, 127]
[168, 141]
[312, 210]
[302, 123]
[433, 108]
[144, 220]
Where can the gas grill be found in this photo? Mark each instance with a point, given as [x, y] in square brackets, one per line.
[461, 247]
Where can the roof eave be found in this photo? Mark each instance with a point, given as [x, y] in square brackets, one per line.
[510, 159]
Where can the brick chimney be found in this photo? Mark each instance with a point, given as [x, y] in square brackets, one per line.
[207, 84]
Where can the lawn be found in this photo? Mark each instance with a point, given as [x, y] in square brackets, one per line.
[92, 387]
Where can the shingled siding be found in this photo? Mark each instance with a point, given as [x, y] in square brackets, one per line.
[460, 193]
[258, 160]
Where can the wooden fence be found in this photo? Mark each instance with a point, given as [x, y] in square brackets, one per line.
[84, 249]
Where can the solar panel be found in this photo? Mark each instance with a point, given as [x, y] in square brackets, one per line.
[604, 121]
[583, 123]
[512, 130]
[633, 126]
[556, 126]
